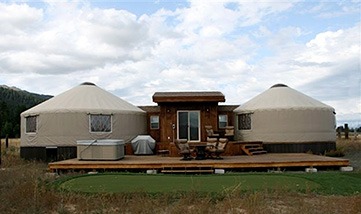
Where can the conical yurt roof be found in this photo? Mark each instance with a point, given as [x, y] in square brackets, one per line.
[279, 97]
[86, 97]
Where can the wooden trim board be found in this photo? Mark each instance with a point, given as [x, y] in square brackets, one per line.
[279, 160]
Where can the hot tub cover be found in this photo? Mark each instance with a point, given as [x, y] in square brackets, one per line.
[143, 145]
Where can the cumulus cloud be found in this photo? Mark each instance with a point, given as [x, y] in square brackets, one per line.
[238, 47]
[18, 18]
[70, 39]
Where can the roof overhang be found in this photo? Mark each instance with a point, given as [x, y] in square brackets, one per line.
[172, 97]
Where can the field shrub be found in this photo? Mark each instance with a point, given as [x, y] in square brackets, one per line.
[335, 153]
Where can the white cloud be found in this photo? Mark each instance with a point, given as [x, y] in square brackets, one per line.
[238, 47]
[17, 18]
[341, 44]
[70, 39]
[326, 9]
[255, 12]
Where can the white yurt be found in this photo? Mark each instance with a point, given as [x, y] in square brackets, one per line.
[286, 120]
[85, 112]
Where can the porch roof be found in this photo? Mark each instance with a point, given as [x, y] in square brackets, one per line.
[202, 96]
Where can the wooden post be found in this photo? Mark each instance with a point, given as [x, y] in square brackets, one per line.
[346, 131]
[7, 141]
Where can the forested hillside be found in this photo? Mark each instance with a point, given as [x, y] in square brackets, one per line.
[13, 101]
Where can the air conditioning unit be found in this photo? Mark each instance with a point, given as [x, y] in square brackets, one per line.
[106, 149]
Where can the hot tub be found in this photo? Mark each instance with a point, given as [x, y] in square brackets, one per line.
[106, 149]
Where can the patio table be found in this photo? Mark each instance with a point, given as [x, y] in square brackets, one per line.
[200, 149]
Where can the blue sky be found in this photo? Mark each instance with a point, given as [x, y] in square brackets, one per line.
[136, 48]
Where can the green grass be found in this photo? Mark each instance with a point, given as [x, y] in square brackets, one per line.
[324, 183]
[336, 183]
[182, 183]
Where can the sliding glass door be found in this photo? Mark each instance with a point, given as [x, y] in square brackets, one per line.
[188, 125]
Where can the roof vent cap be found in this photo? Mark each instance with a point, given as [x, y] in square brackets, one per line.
[279, 85]
[88, 83]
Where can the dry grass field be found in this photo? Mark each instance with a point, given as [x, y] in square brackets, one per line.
[352, 149]
[25, 188]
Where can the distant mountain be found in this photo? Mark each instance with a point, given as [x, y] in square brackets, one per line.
[13, 101]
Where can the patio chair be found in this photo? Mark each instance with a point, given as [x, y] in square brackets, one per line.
[184, 149]
[229, 132]
[211, 147]
[210, 132]
[221, 147]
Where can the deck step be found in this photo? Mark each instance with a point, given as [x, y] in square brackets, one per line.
[253, 148]
[252, 145]
[259, 152]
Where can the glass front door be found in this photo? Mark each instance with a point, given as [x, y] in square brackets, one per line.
[188, 125]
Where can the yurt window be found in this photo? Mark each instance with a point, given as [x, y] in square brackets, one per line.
[244, 121]
[100, 123]
[31, 124]
[154, 122]
[222, 120]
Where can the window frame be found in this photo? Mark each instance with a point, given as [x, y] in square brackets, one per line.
[219, 121]
[101, 131]
[31, 131]
[245, 121]
[151, 122]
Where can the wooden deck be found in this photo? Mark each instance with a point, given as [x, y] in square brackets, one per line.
[274, 160]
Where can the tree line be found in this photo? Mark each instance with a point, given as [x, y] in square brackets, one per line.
[12, 103]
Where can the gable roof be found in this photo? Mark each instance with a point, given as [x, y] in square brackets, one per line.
[281, 96]
[203, 96]
[86, 97]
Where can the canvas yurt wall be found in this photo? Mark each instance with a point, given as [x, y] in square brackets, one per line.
[50, 130]
[287, 120]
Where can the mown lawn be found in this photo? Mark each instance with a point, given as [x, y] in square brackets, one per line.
[326, 182]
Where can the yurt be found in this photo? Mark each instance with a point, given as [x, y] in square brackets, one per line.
[51, 129]
[286, 120]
